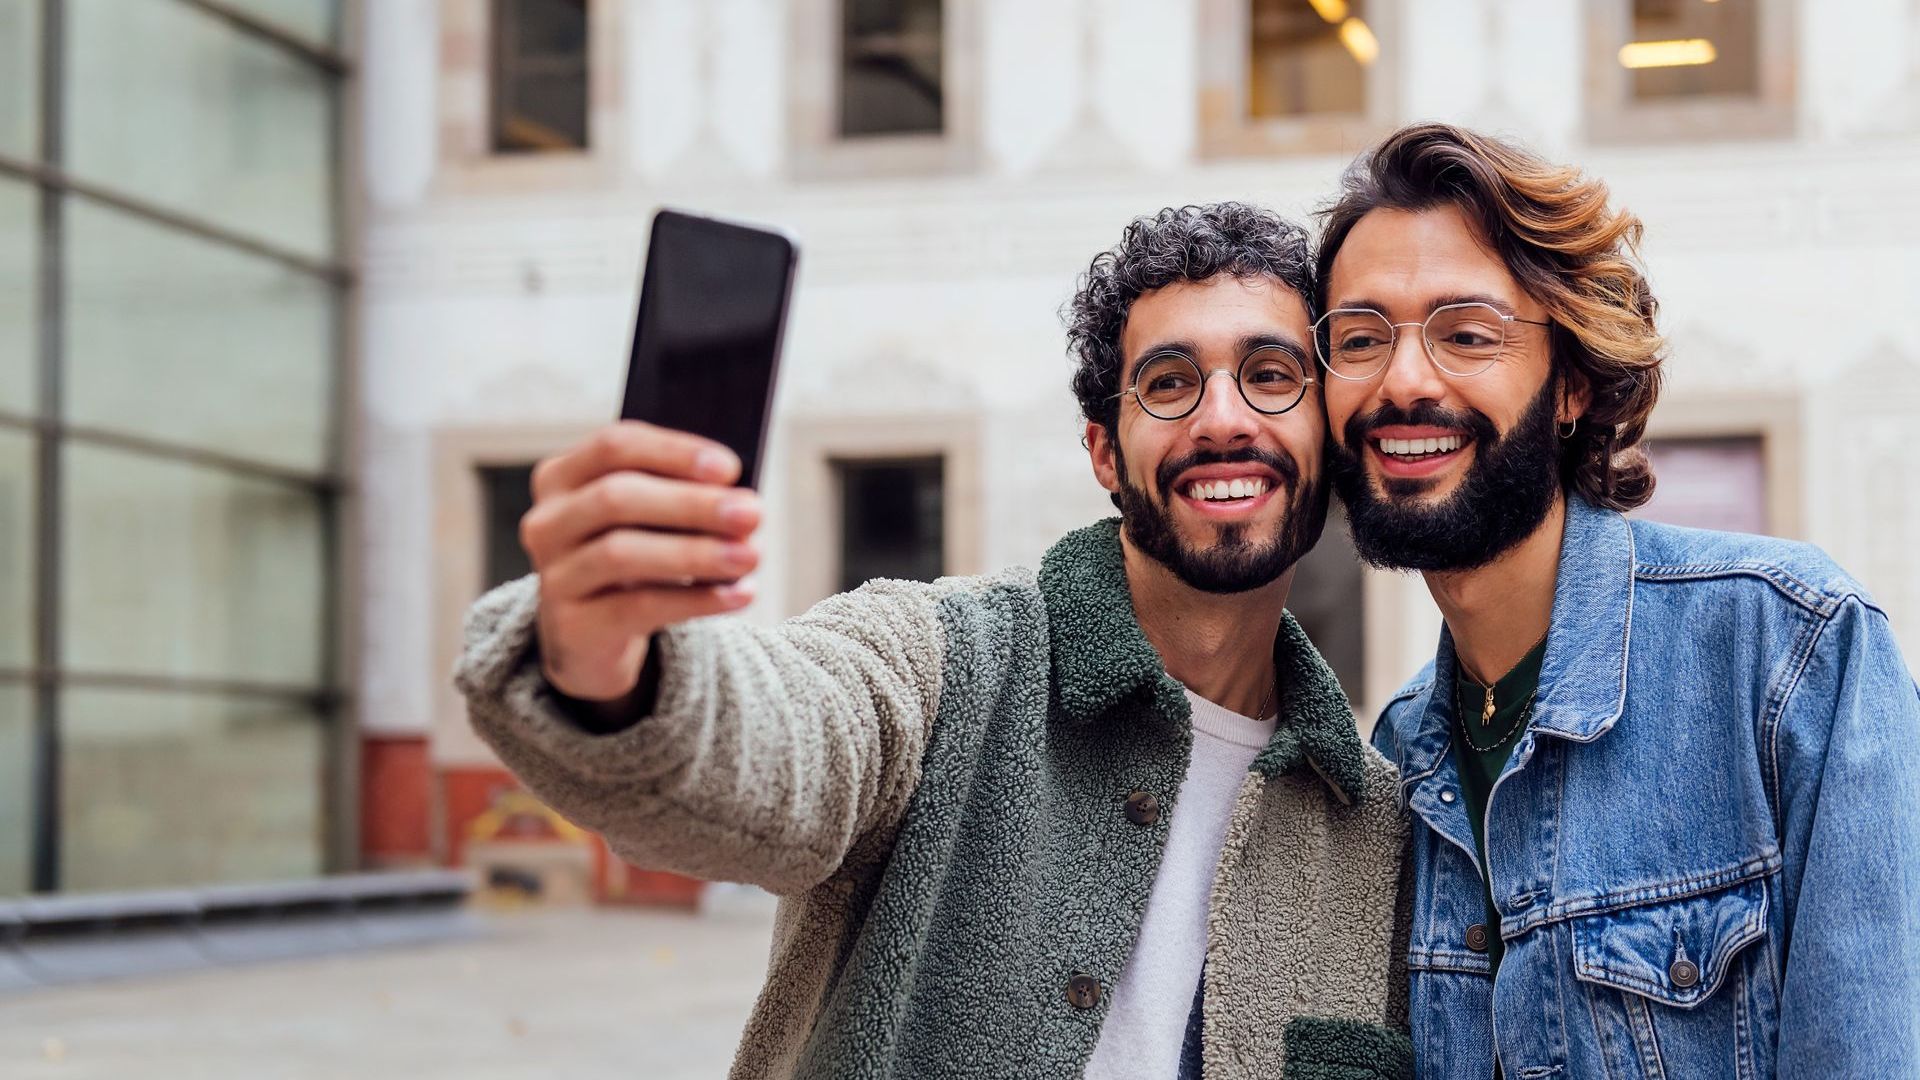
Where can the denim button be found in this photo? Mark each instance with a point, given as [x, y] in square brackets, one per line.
[1685, 974]
[1477, 937]
[1143, 808]
[1446, 796]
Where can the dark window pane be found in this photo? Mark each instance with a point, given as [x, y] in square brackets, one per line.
[890, 67]
[1326, 598]
[1308, 59]
[892, 520]
[1686, 48]
[1709, 483]
[161, 789]
[539, 75]
[507, 491]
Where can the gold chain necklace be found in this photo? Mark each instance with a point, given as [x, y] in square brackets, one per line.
[1486, 711]
[1518, 726]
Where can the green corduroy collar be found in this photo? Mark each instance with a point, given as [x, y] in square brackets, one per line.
[1101, 657]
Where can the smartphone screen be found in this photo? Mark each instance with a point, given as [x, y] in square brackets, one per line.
[713, 304]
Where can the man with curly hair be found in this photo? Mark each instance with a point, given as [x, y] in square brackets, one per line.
[1667, 821]
[1112, 819]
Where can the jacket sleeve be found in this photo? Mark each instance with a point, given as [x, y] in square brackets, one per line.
[773, 755]
[1848, 761]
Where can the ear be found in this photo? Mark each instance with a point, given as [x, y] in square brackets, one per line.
[1576, 397]
[1106, 467]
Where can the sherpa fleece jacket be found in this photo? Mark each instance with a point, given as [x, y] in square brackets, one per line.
[935, 779]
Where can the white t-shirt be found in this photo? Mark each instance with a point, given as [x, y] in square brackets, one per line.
[1147, 1020]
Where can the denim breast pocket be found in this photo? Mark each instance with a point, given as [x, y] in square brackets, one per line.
[1681, 988]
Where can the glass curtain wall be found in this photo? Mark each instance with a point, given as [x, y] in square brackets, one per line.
[171, 290]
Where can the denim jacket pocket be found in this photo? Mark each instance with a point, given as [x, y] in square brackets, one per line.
[1676, 952]
[1680, 988]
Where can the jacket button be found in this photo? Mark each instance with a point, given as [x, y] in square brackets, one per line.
[1685, 974]
[1143, 808]
[1477, 937]
[1083, 991]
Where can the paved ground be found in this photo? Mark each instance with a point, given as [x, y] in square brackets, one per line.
[569, 994]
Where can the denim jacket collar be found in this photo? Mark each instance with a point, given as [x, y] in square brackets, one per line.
[1583, 678]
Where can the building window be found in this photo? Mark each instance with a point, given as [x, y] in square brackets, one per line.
[1709, 483]
[1293, 76]
[890, 68]
[892, 519]
[1308, 59]
[1690, 49]
[1690, 68]
[170, 422]
[539, 75]
[506, 493]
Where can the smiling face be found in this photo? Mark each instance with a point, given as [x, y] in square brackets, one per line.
[1226, 497]
[1440, 471]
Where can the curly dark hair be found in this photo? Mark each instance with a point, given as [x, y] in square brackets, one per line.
[1568, 249]
[1185, 243]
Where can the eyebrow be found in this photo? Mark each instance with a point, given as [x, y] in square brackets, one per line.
[1504, 307]
[1246, 344]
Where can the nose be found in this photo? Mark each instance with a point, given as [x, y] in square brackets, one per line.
[1410, 376]
[1222, 418]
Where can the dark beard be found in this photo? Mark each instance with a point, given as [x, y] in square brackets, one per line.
[1235, 563]
[1502, 499]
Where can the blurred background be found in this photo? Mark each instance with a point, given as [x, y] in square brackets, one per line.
[294, 292]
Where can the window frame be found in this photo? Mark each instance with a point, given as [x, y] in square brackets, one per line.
[1227, 131]
[816, 148]
[1613, 116]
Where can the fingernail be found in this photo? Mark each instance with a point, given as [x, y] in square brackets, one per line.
[714, 462]
[738, 554]
[737, 511]
[740, 592]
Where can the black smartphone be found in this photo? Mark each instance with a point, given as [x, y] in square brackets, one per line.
[706, 342]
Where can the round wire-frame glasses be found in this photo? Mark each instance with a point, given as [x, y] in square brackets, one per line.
[1462, 340]
[1169, 385]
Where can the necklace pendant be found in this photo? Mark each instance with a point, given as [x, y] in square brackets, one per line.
[1486, 712]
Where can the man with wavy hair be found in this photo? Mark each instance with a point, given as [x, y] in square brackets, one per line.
[1667, 816]
[1113, 819]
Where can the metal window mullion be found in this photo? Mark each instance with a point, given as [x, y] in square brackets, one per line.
[47, 591]
[49, 175]
[320, 56]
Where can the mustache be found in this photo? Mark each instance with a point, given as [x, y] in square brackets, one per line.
[1279, 461]
[1423, 414]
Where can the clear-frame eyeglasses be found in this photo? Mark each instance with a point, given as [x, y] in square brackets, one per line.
[1462, 340]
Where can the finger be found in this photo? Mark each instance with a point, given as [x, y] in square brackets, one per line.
[631, 444]
[632, 499]
[627, 558]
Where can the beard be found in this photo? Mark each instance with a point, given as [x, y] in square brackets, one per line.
[1504, 496]
[1238, 560]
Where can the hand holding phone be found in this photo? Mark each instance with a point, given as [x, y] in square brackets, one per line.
[634, 529]
[642, 525]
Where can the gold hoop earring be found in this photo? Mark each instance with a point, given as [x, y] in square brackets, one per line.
[1572, 426]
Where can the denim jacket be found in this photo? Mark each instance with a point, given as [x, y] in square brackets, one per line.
[1705, 850]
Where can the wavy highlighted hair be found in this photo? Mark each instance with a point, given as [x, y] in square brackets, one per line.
[1570, 251]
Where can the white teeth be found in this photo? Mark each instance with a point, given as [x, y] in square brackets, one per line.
[1222, 490]
[1417, 447]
